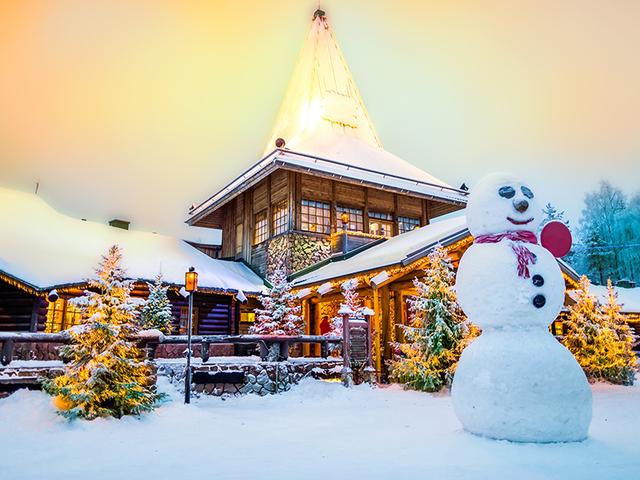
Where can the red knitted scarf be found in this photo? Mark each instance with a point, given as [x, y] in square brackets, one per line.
[518, 241]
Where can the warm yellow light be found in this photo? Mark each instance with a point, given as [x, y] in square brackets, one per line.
[344, 218]
[191, 280]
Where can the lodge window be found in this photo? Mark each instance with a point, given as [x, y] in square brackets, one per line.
[315, 216]
[356, 218]
[406, 224]
[62, 315]
[557, 328]
[280, 218]
[261, 230]
[381, 224]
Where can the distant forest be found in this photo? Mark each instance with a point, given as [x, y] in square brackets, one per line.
[607, 238]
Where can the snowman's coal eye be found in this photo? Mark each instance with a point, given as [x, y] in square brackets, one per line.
[506, 192]
[527, 192]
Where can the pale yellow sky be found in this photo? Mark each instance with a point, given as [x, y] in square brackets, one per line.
[138, 109]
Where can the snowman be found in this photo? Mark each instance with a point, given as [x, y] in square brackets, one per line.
[516, 381]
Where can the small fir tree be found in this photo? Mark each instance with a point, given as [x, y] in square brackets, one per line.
[106, 373]
[156, 312]
[437, 333]
[621, 348]
[280, 315]
[599, 338]
[351, 303]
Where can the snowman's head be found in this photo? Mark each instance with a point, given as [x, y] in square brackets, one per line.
[500, 203]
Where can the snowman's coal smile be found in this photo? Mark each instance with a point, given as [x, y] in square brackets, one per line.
[519, 222]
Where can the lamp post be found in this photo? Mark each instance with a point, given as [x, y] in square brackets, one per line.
[191, 286]
[344, 218]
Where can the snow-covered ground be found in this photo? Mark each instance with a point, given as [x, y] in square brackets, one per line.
[318, 430]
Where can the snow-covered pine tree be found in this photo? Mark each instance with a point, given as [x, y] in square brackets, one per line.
[437, 333]
[351, 303]
[280, 315]
[597, 337]
[156, 312]
[106, 373]
[551, 213]
[622, 370]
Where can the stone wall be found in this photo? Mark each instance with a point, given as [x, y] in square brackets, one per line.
[296, 251]
[261, 378]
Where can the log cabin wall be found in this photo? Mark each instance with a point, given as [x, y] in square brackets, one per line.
[19, 310]
[237, 218]
[215, 314]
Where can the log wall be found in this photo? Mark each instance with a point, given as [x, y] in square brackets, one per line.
[236, 217]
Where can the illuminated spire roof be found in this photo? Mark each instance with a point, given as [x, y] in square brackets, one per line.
[323, 114]
[322, 101]
[326, 129]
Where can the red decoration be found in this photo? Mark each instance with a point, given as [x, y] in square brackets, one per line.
[556, 238]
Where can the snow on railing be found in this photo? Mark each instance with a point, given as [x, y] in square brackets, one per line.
[272, 347]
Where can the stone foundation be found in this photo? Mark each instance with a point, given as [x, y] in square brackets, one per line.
[260, 378]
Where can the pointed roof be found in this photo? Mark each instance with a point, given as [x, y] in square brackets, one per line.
[322, 99]
[323, 126]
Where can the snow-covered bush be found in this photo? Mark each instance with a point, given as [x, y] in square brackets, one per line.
[438, 330]
[599, 337]
[106, 373]
[280, 315]
[156, 311]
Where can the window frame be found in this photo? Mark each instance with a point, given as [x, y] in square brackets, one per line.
[401, 220]
[382, 219]
[260, 227]
[318, 216]
[356, 217]
[280, 217]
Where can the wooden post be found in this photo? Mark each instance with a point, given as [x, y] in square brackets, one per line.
[347, 374]
[204, 351]
[375, 324]
[385, 311]
[284, 350]
[7, 352]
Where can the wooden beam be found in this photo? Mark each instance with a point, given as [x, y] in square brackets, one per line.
[385, 334]
[365, 215]
[376, 331]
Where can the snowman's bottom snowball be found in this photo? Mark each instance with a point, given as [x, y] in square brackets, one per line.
[523, 387]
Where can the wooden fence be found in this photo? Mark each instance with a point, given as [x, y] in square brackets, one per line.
[271, 347]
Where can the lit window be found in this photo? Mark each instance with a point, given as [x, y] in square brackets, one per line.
[381, 224]
[406, 224]
[557, 328]
[280, 218]
[62, 315]
[356, 218]
[260, 232]
[315, 216]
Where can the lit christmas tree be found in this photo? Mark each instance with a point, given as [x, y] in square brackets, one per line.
[599, 337]
[280, 315]
[437, 333]
[156, 312]
[106, 374]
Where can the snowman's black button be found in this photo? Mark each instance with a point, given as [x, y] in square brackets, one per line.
[539, 301]
[538, 280]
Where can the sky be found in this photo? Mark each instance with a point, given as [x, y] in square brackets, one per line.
[137, 110]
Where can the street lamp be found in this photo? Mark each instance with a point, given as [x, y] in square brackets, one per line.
[344, 218]
[191, 286]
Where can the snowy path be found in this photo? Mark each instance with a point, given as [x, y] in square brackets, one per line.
[317, 431]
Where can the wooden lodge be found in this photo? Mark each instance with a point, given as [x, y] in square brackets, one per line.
[47, 257]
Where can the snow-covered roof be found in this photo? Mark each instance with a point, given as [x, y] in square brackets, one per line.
[368, 170]
[327, 130]
[628, 298]
[398, 250]
[44, 248]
